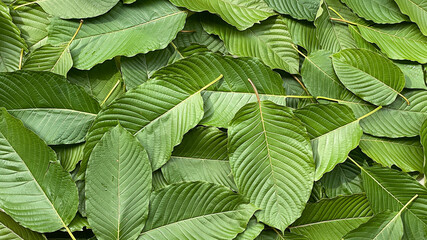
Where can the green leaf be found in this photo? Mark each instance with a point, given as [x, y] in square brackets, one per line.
[118, 186]
[159, 180]
[378, 11]
[11, 230]
[331, 219]
[253, 229]
[11, 42]
[103, 82]
[297, 9]
[69, 155]
[384, 190]
[207, 211]
[240, 13]
[414, 75]
[303, 33]
[333, 132]
[76, 8]
[138, 69]
[57, 111]
[151, 20]
[32, 21]
[201, 156]
[417, 12]
[269, 41]
[405, 153]
[33, 181]
[384, 226]
[391, 38]
[423, 135]
[275, 235]
[271, 159]
[333, 36]
[56, 59]
[369, 75]
[399, 119]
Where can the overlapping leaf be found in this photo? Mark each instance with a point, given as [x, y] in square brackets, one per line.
[69, 155]
[206, 211]
[297, 9]
[56, 59]
[60, 113]
[271, 160]
[379, 11]
[76, 8]
[417, 12]
[9, 229]
[35, 191]
[151, 20]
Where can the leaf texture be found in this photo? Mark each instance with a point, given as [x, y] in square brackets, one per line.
[331, 219]
[344, 179]
[56, 59]
[118, 186]
[34, 184]
[378, 11]
[253, 229]
[69, 155]
[76, 8]
[333, 131]
[303, 33]
[240, 13]
[11, 230]
[417, 12]
[269, 41]
[201, 156]
[60, 113]
[206, 211]
[267, 141]
[423, 135]
[369, 75]
[97, 40]
[297, 9]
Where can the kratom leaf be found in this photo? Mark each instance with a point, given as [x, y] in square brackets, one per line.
[378, 11]
[43, 191]
[11, 42]
[118, 186]
[96, 42]
[333, 132]
[275, 235]
[331, 219]
[417, 12]
[423, 135]
[405, 153]
[78, 224]
[414, 75]
[59, 112]
[201, 156]
[240, 13]
[69, 155]
[271, 160]
[253, 229]
[384, 226]
[76, 8]
[369, 75]
[391, 38]
[269, 41]
[297, 9]
[207, 211]
[399, 119]
[303, 34]
[11, 230]
[159, 180]
[56, 59]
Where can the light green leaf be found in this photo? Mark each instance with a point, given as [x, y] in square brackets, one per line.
[240, 13]
[201, 156]
[378, 11]
[103, 82]
[414, 75]
[417, 12]
[78, 224]
[298, 9]
[384, 190]
[384, 226]
[269, 41]
[33, 180]
[405, 153]
[11, 230]
[155, 21]
[333, 36]
[275, 235]
[11, 42]
[423, 135]
[303, 33]
[69, 155]
[118, 186]
[392, 38]
[271, 159]
[32, 21]
[369, 75]
[253, 229]
[331, 219]
[159, 180]
[76, 8]
[207, 211]
[57, 111]
[333, 132]
[138, 69]
[56, 59]
[399, 119]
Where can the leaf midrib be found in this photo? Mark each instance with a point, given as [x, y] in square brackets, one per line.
[50, 109]
[329, 221]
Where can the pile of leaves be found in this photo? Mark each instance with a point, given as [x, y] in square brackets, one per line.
[213, 119]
